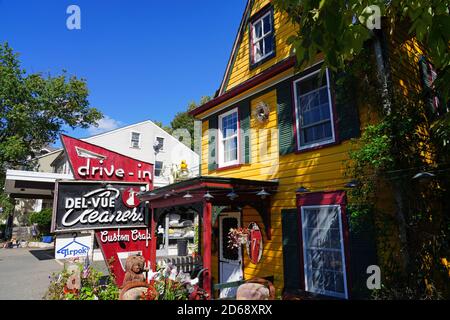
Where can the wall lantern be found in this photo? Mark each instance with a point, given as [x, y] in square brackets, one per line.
[232, 195]
[423, 176]
[302, 189]
[208, 196]
[263, 194]
[188, 196]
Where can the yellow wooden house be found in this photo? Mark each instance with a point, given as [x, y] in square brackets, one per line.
[281, 136]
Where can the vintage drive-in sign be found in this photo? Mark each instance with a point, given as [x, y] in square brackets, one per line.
[82, 205]
[92, 162]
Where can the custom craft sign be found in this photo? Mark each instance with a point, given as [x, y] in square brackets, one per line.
[91, 162]
[73, 247]
[82, 205]
[118, 244]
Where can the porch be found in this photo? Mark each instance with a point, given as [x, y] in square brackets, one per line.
[197, 203]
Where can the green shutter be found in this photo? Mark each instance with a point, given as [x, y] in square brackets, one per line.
[291, 249]
[285, 118]
[244, 124]
[212, 143]
[427, 82]
[347, 116]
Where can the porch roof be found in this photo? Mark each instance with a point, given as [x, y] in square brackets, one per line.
[217, 186]
[191, 192]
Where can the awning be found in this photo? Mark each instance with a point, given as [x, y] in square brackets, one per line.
[32, 184]
[225, 192]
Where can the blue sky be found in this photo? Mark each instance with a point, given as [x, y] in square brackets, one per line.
[142, 59]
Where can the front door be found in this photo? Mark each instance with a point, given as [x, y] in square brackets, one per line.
[230, 260]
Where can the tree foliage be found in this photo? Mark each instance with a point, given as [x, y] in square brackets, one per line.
[35, 107]
[339, 30]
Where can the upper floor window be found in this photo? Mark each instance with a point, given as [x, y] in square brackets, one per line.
[314, 112]
[135, 139]
[228, 138]
[158, 168]
[160, 141]
[262, 38]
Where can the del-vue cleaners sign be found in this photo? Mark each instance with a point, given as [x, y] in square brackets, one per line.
[97, 205]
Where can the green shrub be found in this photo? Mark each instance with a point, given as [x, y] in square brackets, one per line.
[43, 219]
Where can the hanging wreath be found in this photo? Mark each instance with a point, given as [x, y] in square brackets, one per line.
[262, 112]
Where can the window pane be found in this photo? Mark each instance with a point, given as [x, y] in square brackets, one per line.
[258, 50]
[323, 255]
[158, 168]
[314, 110]
[229, 125]
[257, 28]
[230, 149]
[267, 21]
[268, 44]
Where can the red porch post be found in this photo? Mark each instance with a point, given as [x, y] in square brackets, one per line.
[153, 240]
[207, 231]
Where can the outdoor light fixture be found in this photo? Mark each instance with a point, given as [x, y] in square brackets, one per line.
[208, 196]
[302, 189]
[263, 194]
[166, 196]
[423, 176]
[188, 195]
[352, 184]
[151, 194]
[232, 195]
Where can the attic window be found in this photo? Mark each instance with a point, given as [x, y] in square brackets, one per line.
[262, 38]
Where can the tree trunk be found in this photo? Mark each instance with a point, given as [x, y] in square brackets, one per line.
[401, 221]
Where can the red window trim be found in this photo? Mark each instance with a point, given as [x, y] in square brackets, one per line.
[338, 197]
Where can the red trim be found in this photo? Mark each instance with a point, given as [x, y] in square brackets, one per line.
[325, 145]
[207, 234]
[154, 240]
[234, 166]
[338, 197]
[322, 198]
[252, 82]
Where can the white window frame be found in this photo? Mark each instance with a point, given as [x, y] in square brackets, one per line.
[221, 153]
[297, 115]
[255, 39]
[131, 140]
[161, 170]
[344, 266]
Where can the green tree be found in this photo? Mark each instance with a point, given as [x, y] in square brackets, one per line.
[34, 108]
[183, 120]
[339, 31]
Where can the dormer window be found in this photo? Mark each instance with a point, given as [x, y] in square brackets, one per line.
[262, 38]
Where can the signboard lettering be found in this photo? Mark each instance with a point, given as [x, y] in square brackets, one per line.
[88, 205]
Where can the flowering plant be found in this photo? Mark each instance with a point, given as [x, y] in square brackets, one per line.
[237, 237]
[170, 284]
